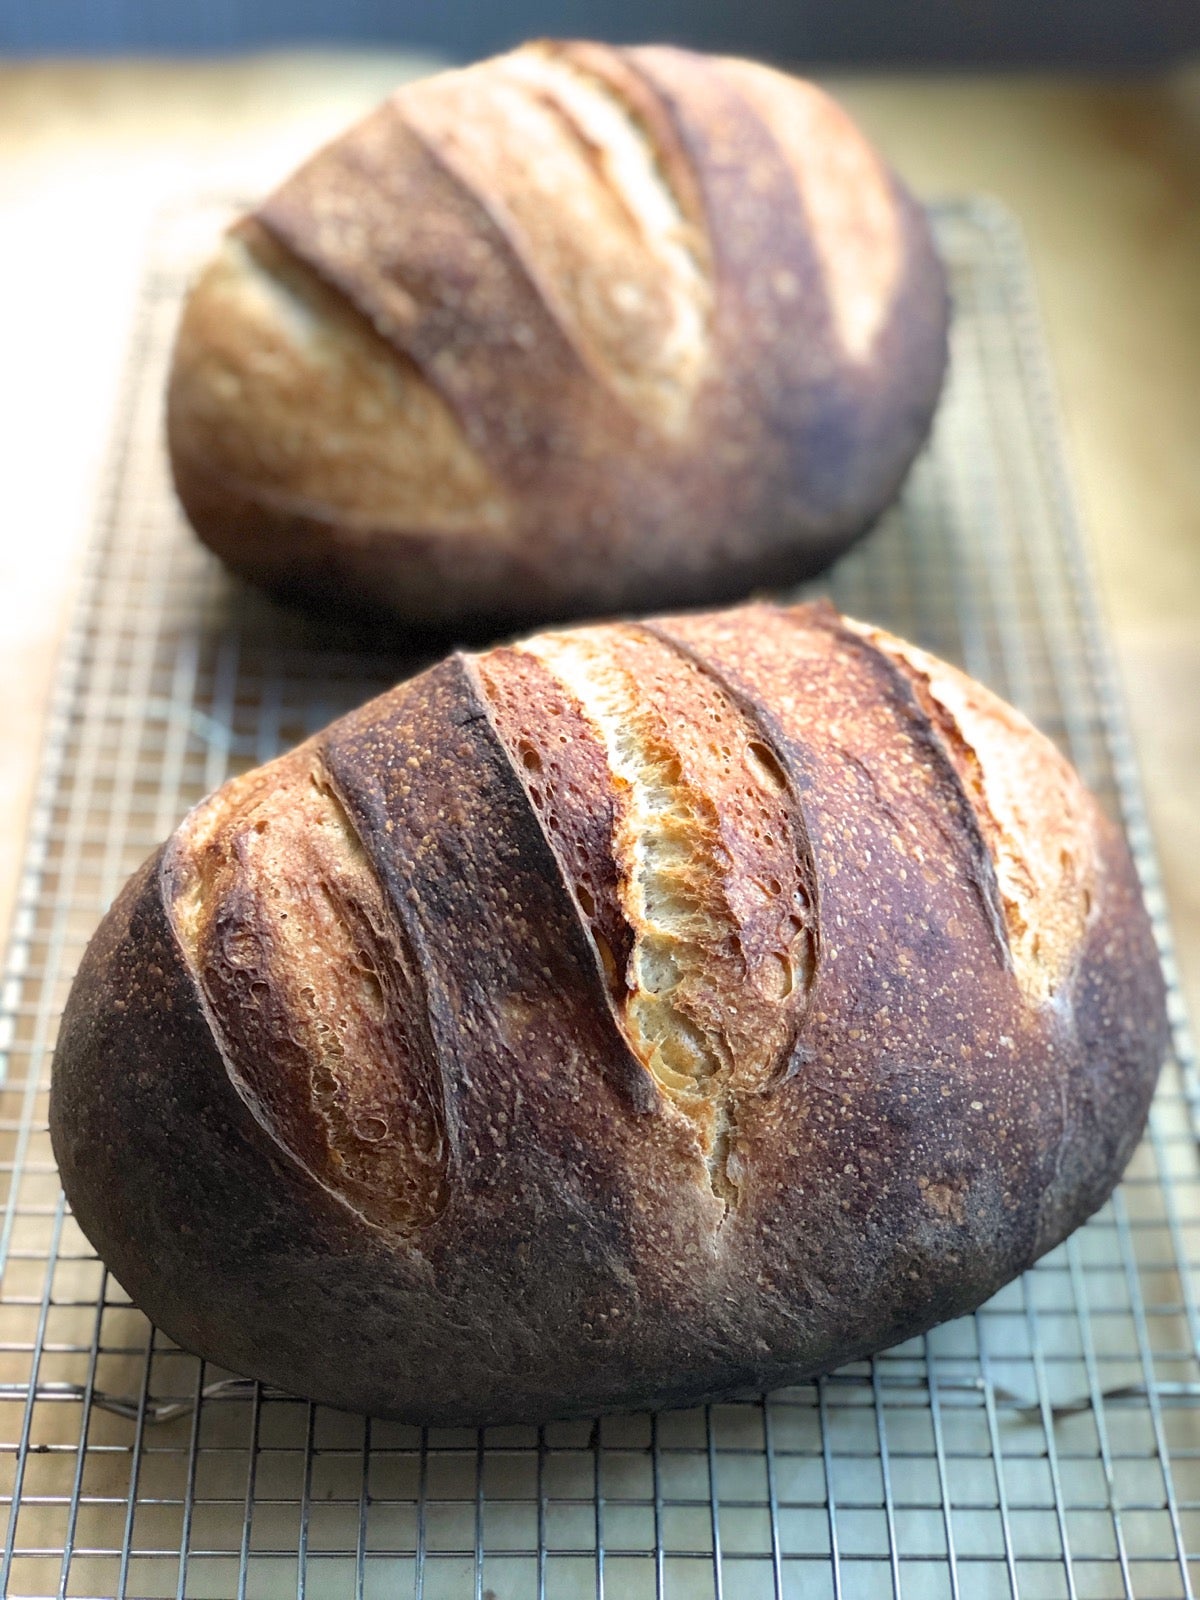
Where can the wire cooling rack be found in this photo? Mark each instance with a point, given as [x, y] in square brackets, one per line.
[1047, 1446]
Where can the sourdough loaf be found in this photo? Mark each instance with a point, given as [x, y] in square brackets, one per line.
[573, 331]
[634, 1015]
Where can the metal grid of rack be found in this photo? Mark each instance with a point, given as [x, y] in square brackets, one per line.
[1047, 1446]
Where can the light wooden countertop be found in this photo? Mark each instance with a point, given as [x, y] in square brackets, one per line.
[1104, 178]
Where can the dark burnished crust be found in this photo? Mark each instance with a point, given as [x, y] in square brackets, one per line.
[184, 1194]
[1114, 1017]
[934, 1132]
[791, 449]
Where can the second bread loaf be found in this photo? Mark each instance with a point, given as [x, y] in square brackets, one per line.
[573, 331]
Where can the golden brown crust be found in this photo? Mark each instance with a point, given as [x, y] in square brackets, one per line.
[619, 258]
[562, 761]
[660, 327]
[311, 989]
[307, 407]
[512, 1178]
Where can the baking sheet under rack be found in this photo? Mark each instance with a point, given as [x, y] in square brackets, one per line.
[1047, 1446]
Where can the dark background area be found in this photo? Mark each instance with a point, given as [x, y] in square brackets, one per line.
[1061, 33]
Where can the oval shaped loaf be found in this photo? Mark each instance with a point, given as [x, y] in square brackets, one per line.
[574, 331]
[632, 1015]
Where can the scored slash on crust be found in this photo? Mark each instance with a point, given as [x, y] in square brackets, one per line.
[1031, 808]
[680, 838]
[303, 963]
[709, 875]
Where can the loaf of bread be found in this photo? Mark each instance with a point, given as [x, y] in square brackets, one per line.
[631, 1016]
[575, 331]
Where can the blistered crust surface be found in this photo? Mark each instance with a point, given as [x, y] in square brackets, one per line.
[674, 815]
[563, 763]
[313, 995]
